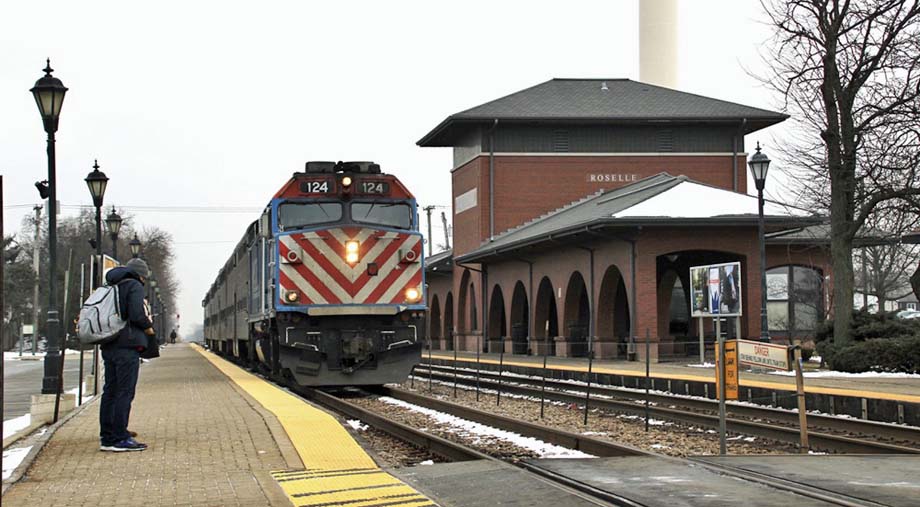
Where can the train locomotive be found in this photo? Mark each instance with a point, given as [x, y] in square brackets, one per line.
[327, 287]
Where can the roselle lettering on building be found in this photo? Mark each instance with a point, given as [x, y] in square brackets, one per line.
[612, 178]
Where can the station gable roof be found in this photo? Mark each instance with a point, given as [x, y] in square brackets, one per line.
[599, 101]
[660, 200]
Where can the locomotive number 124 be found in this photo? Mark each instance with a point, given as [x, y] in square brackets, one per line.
[315, 187]
[375, 187]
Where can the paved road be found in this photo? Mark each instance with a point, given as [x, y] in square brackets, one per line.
[23, 378]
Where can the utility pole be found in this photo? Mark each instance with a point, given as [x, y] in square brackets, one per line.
[428, 210]
[446, 231]
[36, 253]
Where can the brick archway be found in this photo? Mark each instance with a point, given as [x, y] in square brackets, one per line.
[520, 320]
[434, 321]
[498, 327]
[613, 324]
[546, 318]
[576, 316]
[449, 321]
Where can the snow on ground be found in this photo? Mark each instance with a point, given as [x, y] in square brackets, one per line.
[12, 458]
[356, 424]
[11, 426]
[464, 426]
[843, 374]
[27, 353]
[707, 364]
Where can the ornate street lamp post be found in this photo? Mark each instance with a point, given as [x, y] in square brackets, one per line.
[97, 181]
[113, 222]
[49, 96]
[135, 246]
[760, 164]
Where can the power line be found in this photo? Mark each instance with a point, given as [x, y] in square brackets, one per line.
[161, 209]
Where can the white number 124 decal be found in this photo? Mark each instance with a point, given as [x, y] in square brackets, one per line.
[317, 187]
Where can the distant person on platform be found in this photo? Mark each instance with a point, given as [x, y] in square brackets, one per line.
[172, 336]
[122, 357]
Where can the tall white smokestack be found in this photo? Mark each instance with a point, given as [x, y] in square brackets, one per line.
[658, 42]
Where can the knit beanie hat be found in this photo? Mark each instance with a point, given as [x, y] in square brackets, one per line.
[139, 267]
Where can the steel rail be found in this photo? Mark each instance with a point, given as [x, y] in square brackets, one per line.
[452, 450]
[820, 441]
[854, 426]
[559, 437]
[605, 448]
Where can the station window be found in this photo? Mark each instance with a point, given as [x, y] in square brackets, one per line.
[795, 299]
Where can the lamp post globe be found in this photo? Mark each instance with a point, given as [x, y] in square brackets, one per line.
[759, 165]
[48, 93]
[97, 181]
[113, 223]
[135, 245]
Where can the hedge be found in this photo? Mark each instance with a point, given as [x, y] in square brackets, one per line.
[878, 354]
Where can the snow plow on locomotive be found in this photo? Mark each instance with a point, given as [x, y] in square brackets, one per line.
[327, 288]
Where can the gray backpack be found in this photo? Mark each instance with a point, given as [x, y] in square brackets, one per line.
[100, 318]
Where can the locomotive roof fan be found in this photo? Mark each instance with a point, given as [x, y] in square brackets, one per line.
[342, 167]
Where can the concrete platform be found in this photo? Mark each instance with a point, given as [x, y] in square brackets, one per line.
[894, 400]
[663, 482]
[888, 480]
[899, 389]
[486, 484]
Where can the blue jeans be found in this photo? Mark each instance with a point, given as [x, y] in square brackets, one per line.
[121, 369]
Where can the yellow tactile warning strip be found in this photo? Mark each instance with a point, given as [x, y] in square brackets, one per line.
[338, 471]
[358, 487]
[858, 393]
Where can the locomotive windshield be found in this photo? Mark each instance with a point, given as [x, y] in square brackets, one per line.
[296, 215]
[388, 214]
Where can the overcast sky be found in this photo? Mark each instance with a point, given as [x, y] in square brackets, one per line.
[216, 103]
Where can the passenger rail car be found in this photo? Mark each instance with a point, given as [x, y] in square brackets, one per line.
[327, 288]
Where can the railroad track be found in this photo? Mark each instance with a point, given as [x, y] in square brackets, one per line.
[455, 451]
[746, 419]
[602, 448]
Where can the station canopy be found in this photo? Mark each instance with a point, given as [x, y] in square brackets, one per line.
[659, 200]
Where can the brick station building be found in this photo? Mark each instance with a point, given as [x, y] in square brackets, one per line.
[579, 206]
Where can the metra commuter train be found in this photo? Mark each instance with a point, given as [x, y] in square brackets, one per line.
[327, 288]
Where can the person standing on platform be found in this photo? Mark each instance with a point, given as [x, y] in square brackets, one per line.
[172, 336]
[122, 357]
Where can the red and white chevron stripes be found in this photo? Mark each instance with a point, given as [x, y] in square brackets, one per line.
[313, 263]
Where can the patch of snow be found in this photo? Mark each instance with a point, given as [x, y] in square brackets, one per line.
[694, 200]
[707, 364]
[12, 458]
[356, 424]
[651, 422]
[843, 374]
[27, 353]
[427, 462]
[11, 426]
[660, 446]
[474, 429]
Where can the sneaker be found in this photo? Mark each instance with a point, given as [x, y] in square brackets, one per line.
[126, 445]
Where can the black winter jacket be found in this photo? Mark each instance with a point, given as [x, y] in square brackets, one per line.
[131, 304]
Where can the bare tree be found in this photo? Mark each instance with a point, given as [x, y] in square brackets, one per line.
[849, 75]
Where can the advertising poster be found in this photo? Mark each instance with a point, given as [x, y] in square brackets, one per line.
[715, 289]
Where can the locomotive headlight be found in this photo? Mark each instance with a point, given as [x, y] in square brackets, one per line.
[292, 296]
[413, 295]
[346, 181]
[351, 252]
